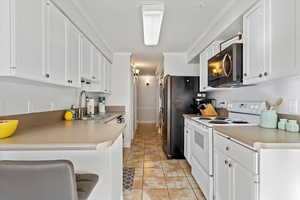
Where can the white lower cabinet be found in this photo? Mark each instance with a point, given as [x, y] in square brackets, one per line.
[187, 140]
[235, 171]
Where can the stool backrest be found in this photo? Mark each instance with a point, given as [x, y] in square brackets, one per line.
[37, 180]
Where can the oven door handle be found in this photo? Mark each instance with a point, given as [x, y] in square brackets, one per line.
[223, 65]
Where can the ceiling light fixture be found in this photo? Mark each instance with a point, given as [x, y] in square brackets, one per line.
[152, 21]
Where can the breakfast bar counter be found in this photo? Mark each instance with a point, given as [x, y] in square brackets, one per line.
[64, 135]
[93, 146]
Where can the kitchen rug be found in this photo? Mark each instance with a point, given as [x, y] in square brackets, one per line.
[128, 176]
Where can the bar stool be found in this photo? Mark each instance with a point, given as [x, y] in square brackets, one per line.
[44, 180]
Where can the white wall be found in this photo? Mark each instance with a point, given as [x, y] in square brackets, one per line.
[288, 89]
[122, 89]
[20, 97]
[175, 64]
[147, 99]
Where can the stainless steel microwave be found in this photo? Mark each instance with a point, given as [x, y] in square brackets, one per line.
[226, 68]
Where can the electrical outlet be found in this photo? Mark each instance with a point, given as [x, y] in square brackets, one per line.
[293, 106]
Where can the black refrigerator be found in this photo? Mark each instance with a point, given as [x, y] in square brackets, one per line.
[177, 94]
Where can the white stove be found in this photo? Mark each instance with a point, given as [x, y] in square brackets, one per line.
[240, 114]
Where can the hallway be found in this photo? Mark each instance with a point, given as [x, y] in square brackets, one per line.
[157, 178]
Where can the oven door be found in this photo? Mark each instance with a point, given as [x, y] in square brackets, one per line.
[201, 146]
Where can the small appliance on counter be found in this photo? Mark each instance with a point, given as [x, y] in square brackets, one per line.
[101, 105]
[90, 106]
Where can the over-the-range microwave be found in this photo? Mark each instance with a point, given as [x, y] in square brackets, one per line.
[226, 68]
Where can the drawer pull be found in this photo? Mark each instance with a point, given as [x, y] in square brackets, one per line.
[226, 162]
[230, 165]
[227, 148]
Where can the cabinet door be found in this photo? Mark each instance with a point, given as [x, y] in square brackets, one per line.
[109, 77]
[56, 44]
[95, 65]
[203, 71]
[28, 49]
[186, 144]
[87, 58]
[254, 45]
[222, 176]
[281, 20]
[73, 55]
[244, 183]
[298, 35]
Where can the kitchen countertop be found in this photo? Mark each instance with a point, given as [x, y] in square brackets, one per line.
[65, 135]
[257, 138]
[190, 116]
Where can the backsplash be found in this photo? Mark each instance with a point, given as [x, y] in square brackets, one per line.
[288, 89]
[21, 97]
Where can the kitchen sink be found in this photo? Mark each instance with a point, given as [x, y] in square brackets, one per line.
[97, 117]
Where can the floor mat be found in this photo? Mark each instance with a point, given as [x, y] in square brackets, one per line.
[128, 176]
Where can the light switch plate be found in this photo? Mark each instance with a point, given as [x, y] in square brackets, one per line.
[293, 106]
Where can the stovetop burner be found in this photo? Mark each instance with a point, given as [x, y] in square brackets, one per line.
[204, 118]
[218, 122]
[220, 118]
[240, 122]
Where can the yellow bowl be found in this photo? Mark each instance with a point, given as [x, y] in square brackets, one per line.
[8, 128]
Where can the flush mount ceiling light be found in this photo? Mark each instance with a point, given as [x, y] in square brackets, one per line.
[153, 14]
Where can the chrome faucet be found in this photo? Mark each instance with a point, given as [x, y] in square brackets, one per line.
[80, 109]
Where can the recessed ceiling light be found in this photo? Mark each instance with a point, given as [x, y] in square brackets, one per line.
[152, 21]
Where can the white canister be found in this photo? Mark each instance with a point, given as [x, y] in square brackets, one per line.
[102, 107]
[91, 107]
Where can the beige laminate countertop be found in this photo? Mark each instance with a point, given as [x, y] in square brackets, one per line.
[260, 138]
[190, 116]
[65, 135]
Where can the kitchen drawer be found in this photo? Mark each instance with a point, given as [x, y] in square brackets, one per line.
[204, 181]
[244, 156]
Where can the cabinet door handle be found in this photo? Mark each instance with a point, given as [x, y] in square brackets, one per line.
[266, 73]
[245, 74]
[227, 148]
[230, 165]
[47, 75]
[260, 75]
[226, 162]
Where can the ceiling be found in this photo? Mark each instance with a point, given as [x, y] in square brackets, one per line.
[119, 23]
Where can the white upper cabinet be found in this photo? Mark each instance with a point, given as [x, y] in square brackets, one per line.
[270, 41]
[281, 17]
[73, 56]
[96, 66]
[298, 35]
[207, 54]
[255, 67]
[87, 58]
[21, 38]
[56, 45]
[203, 71]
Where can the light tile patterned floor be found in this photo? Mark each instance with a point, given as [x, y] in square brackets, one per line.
[157, 178]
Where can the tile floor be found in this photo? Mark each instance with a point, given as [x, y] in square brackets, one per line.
[157, 178]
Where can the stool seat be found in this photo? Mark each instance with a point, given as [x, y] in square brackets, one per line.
[44, 180]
